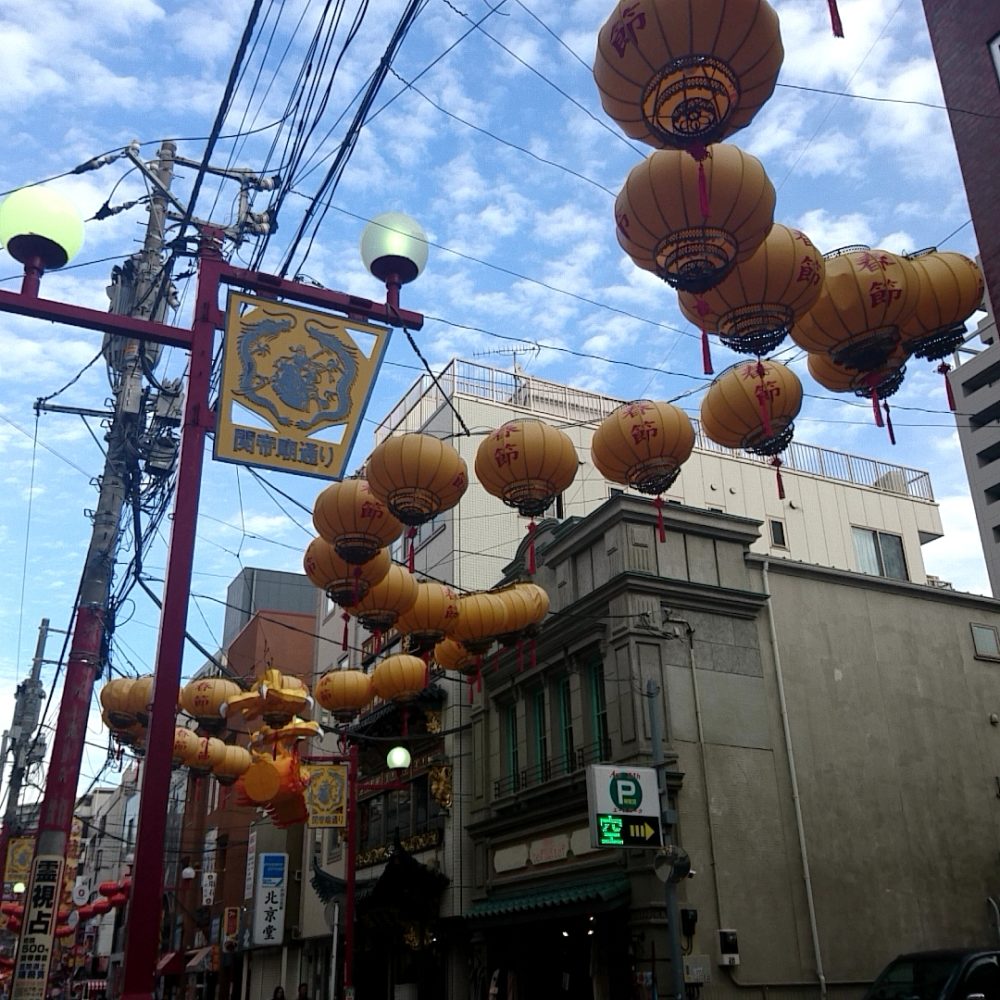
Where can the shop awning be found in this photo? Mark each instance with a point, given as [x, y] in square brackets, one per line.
[171, 963]
[602, 895]
[200, 960]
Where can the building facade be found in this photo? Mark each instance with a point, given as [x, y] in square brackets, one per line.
[827, 734]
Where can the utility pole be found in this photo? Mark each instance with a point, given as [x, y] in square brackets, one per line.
[134, 292]
[25, 749]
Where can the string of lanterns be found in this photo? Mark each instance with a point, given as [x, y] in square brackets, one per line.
[683, 75]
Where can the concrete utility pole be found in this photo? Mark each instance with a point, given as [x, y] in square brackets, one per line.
[134, 292]
[25, 749]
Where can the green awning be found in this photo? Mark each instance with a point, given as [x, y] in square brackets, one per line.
[604, 894]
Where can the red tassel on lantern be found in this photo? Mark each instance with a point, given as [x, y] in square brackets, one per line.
[520, 656]
[427, 668]
[343, 643]
[357, 586]
[658, 504]
[534, 655]
[706, 349]
[888, 424]
[943, 369]
[378, 640]
[531, 547]
[700, 153]
[765, 410]
[835, 22]
[776, 462]
[876, 409]
[411, 534]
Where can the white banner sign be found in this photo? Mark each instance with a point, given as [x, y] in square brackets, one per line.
[251, 863]
[35, 949]
[269, 899]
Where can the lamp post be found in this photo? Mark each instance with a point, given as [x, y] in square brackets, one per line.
[397, 760]
[41, 235]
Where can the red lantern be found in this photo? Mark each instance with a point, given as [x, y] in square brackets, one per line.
[101, 906]
[108, 889]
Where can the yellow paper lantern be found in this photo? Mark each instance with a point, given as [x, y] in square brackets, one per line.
[344, 692]
[752, 405]
[139, 699]
[866, 298]
[209, 753]
[400, 677]
[526, 464]
[452, 655]
[643, 444]
[186, 743]
[481, 618]
[684, 73]
[754, 307]
[416, 476]
[691, 223]
[394, 594]
[951, 290]
[431, 616]
[115, 702]
[204, 699]
[354, 521]
[235, 762]
[345, 583]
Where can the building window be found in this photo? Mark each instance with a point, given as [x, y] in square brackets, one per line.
[599, 708]
[986, 642]
[332, 845]
[540, 733]
[778, 534]
[508, 723]
[566, 748]
[879, 553]
[614, 491]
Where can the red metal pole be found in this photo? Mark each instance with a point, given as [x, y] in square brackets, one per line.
[351, 863]
[143, 935]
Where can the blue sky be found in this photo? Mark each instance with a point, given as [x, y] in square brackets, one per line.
[501, 150]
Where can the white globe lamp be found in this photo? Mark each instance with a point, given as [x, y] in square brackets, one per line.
[394, 247]
[39, 226]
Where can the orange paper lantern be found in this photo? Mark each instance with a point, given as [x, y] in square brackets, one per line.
[416, 476]
[345, 583]
[354, 521]
[344, 692]
[684, 73]
[400, 677]
[691, 223]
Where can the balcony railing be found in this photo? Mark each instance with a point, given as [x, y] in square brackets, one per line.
[540, 397]
[554, 767]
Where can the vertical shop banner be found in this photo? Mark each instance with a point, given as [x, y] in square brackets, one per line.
[326, 796]
[269, 899]
[251, 863]
[34, 952]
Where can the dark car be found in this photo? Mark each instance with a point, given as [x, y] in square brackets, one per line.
[950, 974]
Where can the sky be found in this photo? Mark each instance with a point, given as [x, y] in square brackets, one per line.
[489, 131]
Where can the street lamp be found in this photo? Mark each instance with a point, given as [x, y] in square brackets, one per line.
[41, 230]
[398, 758]
[394, 249]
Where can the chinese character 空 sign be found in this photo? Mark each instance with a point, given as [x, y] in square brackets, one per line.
[624, 806]
[295, 385]
[34, 952]
[269, 899]
[326, 796]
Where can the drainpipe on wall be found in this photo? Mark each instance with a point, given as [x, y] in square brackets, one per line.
[699, 726]
[793, 779]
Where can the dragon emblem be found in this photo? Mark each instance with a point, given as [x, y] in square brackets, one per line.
[314, 379]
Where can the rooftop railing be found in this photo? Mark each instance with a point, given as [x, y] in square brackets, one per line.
[540, 397]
